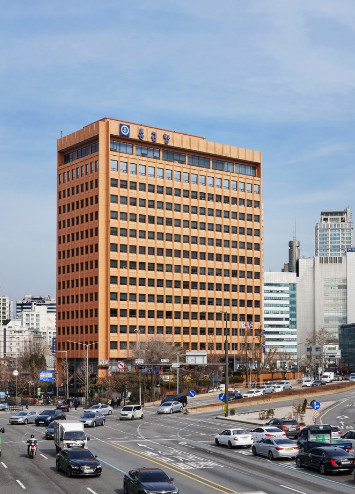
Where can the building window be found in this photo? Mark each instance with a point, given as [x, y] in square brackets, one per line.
[121, 147]
[148, 152]
[174, 157]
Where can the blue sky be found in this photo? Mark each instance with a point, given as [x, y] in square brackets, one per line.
[269, 75]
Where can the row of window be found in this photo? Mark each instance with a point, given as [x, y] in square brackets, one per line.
[84, 187]
[186, 177]
[81, 153]
[160, 314]
[175, 157]
[79, 219]
[186, 270]
[75, 299]
[132, 201]
[186, 239]
[79, 204]
[123, 329]
[160, 189]
[168, 299]
[77, 314]
[83, 234]
[186, 254]
[79, 251]
[185, 285]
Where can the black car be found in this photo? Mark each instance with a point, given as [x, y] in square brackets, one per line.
[78, 462]
[290, 426]
[47, 416]
[50, 431]
[180, 397]
[318, 382]
[327, 459]
[61, 405]
[234, 395]
[148, 480]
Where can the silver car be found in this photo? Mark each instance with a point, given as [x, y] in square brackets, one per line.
[170, 407]
[104, 409]
[275, 448]
[25, 417]
[92, 419]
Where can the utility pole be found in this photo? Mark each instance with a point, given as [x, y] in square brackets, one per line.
[177, 372]
[139, 373]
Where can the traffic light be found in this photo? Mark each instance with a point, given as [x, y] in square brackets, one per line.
[137, 367]
[165, 367]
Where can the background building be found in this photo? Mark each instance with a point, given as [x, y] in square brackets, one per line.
[6, 309]
[29, 302]
[347, 344]
[159, 232]
[39, 321]
[280, 315]
[334, 233]
[14, 339]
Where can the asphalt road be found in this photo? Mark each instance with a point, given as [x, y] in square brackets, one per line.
[181, 444]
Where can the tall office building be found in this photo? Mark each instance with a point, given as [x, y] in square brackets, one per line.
[293, 256]
[158, 231]
[334, 233]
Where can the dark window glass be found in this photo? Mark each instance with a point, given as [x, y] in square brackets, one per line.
[174, 157]
[121, 147]
[198, 161]
[148, 152]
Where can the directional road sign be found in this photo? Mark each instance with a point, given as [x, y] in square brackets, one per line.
[164, 360]
[175, 364]
[192, 393]
[222, 396]
[139, 361]
[316, 405]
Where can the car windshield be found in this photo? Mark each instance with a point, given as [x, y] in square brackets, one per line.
[127, 409]
[48, 412]
[88, 416]
[94, 407]
[335, 428]
[167, 404]
[284, 441]
[272, 429]
[290, 422]
[20, 414]
[80, 454]
[51, 426]
[73, 435]
[239, 431]
[153, 476]
[250, 392]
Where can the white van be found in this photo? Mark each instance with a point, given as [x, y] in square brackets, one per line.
[352, 377]
[131, 412]
[69, 435]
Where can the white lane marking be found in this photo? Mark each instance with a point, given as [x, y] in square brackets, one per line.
[44, 456]
[3, 464]
[342, 417]
[295, 490]
[93, 492]
[21, 484]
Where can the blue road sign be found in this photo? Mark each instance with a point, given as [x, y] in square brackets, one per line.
[222, 396]
[192, 393]
[46, 376]
[316, 405]
[145, 370]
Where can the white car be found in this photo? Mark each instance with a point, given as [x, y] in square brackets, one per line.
[25, 417]
[234, 437]
[266, 432]
[307, 383]
[104, 409]
[287, 385]
[278, 388]
[336, 432]
[131, 412]
[267, 389]
[275, 448]
[253, 392]
[170, 407]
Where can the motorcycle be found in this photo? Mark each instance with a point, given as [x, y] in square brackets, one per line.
[32, 449]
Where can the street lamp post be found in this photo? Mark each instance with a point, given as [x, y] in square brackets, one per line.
[87, 364]
[139, 373]
[66, 358]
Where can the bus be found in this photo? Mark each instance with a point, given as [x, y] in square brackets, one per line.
[3, 401]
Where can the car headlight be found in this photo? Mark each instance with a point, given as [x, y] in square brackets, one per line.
[75, 467]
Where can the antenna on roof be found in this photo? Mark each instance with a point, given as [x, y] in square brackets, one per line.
[61, 133]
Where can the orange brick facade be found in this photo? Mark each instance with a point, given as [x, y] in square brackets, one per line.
[157, 231]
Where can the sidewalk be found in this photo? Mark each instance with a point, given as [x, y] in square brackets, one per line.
[280, 412]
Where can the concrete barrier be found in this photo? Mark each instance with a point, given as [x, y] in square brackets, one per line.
[289, 395]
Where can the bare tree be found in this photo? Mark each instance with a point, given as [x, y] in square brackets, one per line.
[156, 348]
[320, 337]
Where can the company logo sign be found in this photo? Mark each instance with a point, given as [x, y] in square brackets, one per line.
[124, 130]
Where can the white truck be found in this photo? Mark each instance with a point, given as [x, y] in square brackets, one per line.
[328, 377]
[69, 434]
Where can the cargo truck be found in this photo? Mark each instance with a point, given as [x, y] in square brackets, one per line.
[328, 377]
[69, 435]
[314, 436]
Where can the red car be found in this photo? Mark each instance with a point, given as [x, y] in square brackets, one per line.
[62, 406]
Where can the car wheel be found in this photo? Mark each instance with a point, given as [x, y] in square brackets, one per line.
[270, 456]
[103, 422]
[298, 462]
[248, 446]
[57, 466]
[322, 469]
[131, 417]
[69, 472]
[230, 446]
[216, 442]
[171, 410]
[142, 416]
[94, 424]
[25, 421]
[253, 450]
[125, 490]
[110, 412]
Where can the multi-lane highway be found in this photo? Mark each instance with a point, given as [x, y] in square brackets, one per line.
[181, 444]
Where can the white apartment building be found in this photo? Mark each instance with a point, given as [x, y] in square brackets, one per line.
[39, 321]
[334, 233]
[29, 302]
[5, 309]
[280, 313]
[14, 339]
